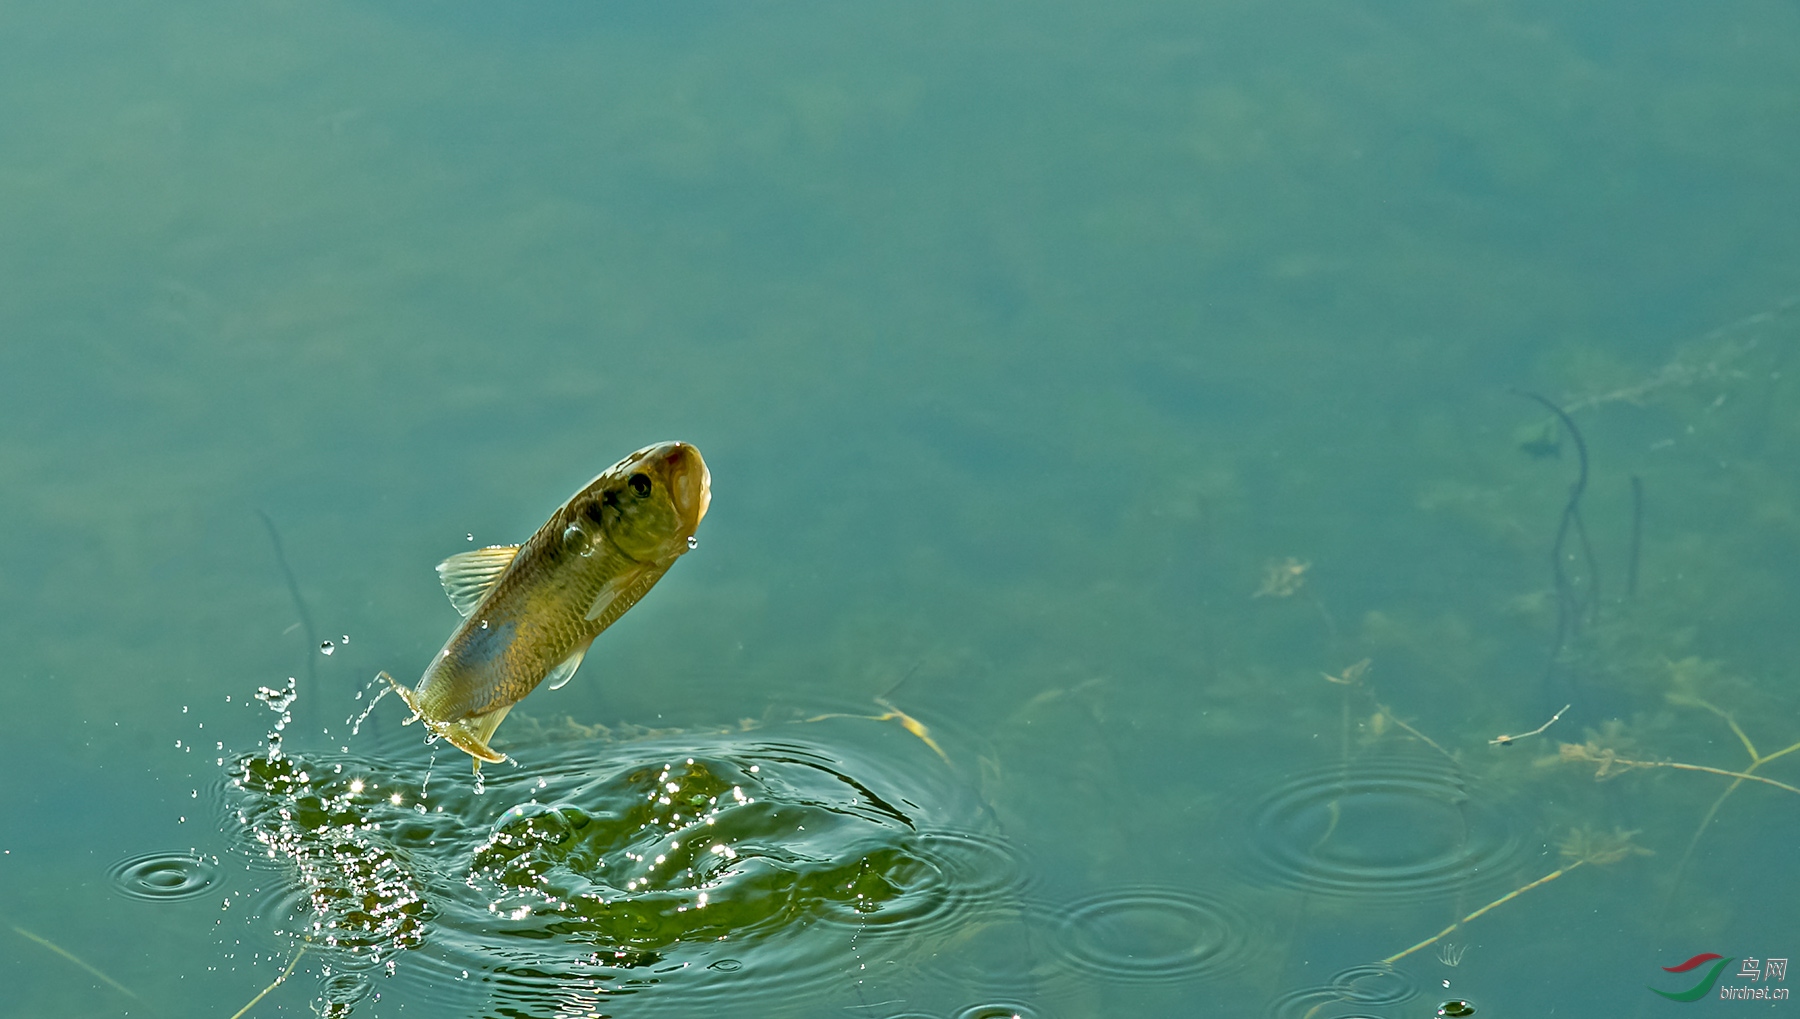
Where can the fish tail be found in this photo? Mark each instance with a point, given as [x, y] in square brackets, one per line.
[471, 735]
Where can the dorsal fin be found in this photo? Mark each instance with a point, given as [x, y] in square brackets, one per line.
[467, 576]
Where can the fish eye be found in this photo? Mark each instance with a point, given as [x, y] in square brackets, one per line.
[640, 483]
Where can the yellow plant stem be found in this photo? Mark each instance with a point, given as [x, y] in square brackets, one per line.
[295, 961]
[65, 953]
[1711, 771]
[1504, 899]
[1607, 761]
[1389, 712]
[893, 714]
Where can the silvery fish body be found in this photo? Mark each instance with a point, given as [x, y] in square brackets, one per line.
[530, 611]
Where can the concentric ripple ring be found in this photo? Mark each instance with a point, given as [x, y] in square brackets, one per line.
[997, 1010]
[163, 876]
[1391, 827]
[1368, 985]
[961, 874]
[1374, 984]
[1147, 934]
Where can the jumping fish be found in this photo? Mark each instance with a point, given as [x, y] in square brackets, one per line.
[530, 611]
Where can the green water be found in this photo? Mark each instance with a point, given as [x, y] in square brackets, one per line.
[1090, 382]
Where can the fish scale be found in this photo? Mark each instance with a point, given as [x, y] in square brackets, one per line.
[531, 611]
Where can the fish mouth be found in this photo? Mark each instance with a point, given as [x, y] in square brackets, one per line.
[690, 484]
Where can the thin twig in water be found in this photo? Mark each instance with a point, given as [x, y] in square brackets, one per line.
[1501, 901]
[1389, 712]
[893, 714]
[1637, 535]
[1612, 764]
[272, 985]
[1581, 847]
[1507, 741]
[1591, 752]
[1682, 372]
[1570, 607]
[1572, 610]
[72, 957]
[293, 586]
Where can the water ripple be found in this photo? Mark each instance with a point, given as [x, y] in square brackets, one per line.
[163, 876]
[339, 993]
[705, 870]
[1390, 827]
[1374, 984]
[1359, 989]
[1149, 934]
[998, 1010]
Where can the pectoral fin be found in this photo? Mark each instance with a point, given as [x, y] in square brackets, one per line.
[621, 593]
[559, 677]
[468, 576]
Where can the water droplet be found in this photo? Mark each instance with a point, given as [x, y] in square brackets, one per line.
[693, 542]
[345, 639]
[326, 647]
[471, 537]
[1456, 1007]
[576, 540]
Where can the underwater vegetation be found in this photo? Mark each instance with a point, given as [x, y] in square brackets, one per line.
[1642, 704]
[1427, 784]
[1024, 343]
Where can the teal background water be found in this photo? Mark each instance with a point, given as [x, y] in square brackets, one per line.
[1021, 340]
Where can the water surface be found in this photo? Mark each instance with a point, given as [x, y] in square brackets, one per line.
[1097, 386]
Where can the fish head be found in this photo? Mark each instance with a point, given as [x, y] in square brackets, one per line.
[648, 504]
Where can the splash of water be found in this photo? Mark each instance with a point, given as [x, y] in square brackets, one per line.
[382, 689]
[280, 701]
[779, 862]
